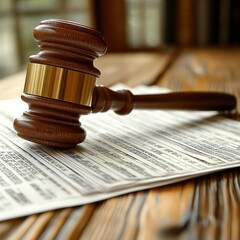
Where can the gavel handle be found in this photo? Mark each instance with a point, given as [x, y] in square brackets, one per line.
[123, 101]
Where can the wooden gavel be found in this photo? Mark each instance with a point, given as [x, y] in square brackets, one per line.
[61, 85]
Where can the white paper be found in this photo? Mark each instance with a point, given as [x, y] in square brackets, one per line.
[121, 154]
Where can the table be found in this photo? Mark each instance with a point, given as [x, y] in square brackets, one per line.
[202, 208]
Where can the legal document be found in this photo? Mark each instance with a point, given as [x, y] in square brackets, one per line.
[121, 154]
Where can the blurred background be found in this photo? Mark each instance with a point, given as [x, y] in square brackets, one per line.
[128, 25]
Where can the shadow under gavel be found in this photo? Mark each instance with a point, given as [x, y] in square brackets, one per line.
[61, 86]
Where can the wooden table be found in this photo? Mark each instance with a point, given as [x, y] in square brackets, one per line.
[202, 208]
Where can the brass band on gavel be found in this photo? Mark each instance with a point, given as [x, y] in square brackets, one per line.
[59, 83]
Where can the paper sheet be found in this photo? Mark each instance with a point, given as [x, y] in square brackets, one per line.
[121, 154]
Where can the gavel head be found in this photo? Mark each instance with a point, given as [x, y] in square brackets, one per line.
[59, 84]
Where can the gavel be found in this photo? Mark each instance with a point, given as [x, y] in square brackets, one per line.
[60, 86]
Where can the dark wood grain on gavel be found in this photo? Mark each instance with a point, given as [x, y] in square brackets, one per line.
[60, 87]
[123, 101]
